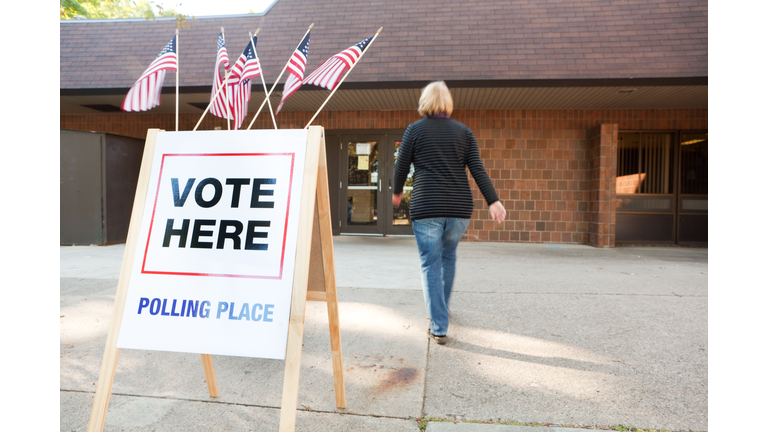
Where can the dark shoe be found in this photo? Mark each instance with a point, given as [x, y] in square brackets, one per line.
[441, 340]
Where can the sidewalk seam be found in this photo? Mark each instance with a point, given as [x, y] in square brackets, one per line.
[244, 405]
[424, 390]
[540, 293]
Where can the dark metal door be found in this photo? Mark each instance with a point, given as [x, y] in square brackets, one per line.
[81, 190]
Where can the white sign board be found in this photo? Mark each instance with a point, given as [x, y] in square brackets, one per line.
[363, 149]
[214, 263]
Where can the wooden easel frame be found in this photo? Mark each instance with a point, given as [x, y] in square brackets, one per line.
[314, 279]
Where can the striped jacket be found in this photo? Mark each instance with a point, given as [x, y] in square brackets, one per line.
[440, 149]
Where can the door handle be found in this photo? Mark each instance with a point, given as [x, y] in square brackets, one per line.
[379, 185]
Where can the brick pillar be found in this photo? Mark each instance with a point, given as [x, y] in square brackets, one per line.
[603, 144]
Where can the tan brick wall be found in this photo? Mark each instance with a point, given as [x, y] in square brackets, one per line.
[549, 167]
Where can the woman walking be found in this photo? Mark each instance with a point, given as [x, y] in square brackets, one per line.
[441, 204]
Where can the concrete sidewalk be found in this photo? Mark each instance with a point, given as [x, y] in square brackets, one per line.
[557, 336]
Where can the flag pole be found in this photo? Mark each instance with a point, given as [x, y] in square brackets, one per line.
[345, 77]
[226, 97]
[221, 86]
[279, 76]
[264, 84]
[218, 91]
[177, 80]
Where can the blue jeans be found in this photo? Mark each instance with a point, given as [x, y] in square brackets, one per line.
[437, 239]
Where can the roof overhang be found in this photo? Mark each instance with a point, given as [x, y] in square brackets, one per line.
[642, 93]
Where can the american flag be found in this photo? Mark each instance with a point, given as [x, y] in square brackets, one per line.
[296, 67]
[219, 105]
[145, 93]
[329, 73]
[246, 67]
[240, 95]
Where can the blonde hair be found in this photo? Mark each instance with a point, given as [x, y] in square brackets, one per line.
[435, 99]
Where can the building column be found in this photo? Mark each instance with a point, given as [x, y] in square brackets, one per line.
[603, 147]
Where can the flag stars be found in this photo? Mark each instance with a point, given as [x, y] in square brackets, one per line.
[170, 47]
[362, 44]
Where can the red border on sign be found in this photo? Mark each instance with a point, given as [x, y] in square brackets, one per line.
[285, 229]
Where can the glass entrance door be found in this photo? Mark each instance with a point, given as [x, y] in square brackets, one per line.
[399, 219]
[363, 185]
[367, 162]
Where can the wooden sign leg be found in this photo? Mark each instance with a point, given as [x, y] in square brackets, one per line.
[338, 363]
[300, 280]
[329, 270]
[103, 389]
[210, 375]
[109, 361]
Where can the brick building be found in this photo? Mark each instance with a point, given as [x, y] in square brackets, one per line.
[591, 116]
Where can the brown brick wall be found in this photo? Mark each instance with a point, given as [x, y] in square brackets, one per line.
[541, 178]
[549, 167]
[603, 143]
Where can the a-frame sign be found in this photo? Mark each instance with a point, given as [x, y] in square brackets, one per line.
[242, 220]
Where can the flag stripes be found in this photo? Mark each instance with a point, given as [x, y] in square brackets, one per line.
[292, 83]
[247, 65]
[329, 73]
[219, 104]
[298, 64]
[245, 68]
[145, 92]
[239, 102]
[296, 67]
[350, 55]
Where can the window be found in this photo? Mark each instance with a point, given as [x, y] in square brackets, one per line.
[644, 164]
[693, 163]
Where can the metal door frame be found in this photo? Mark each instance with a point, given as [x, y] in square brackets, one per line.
[390, 210]
[345, 228]
[386, 139]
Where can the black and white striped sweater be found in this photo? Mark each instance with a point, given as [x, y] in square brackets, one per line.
[440, 149]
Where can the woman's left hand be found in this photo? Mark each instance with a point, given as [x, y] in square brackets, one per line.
[497, 211]
[396, 199]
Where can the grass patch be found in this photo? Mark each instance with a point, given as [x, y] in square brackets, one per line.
[422, 422]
